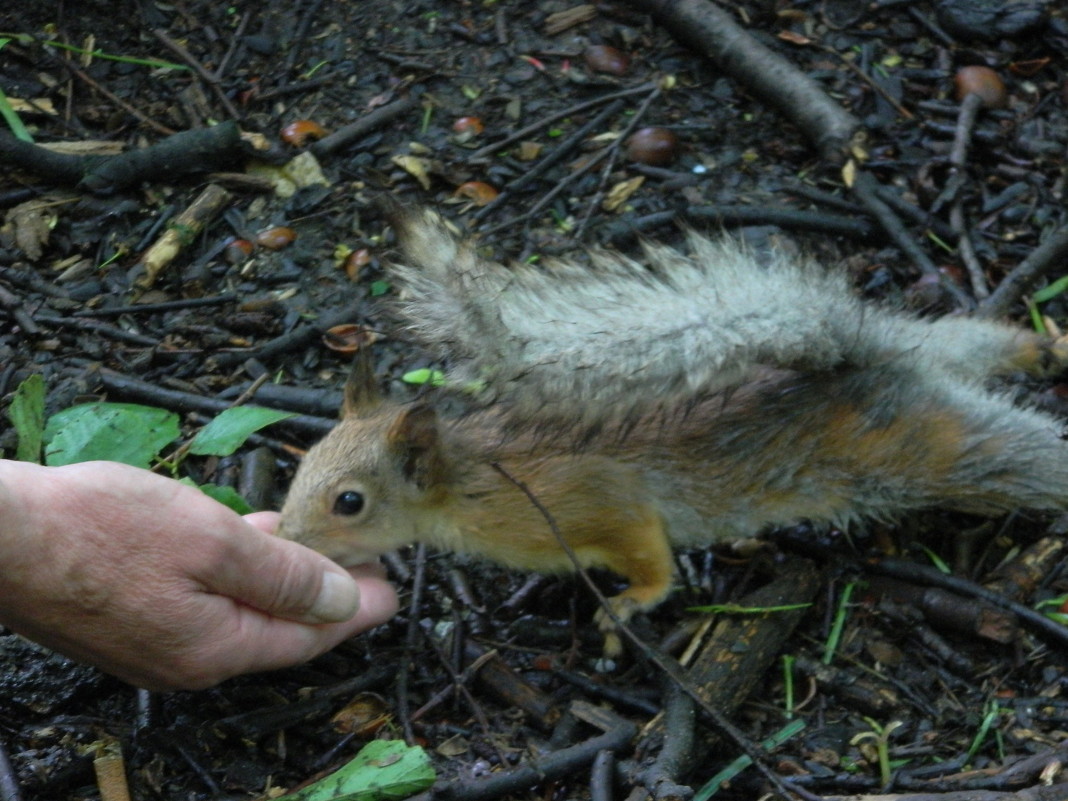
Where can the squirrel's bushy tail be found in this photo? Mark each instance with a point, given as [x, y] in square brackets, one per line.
[592, 342]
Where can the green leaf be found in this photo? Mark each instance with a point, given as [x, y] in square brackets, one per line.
[1051, 291]
[382, 771]
[228, 432]
[714, 784]
[938, 561]
[425, 375]
[738, 609]
[27, 415]
[14, 122]
[227, 496]
[118, 432]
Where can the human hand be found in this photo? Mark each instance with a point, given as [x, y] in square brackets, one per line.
[153, 581]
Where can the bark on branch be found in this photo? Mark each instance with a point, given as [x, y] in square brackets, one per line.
[197, 150]
[708, 29]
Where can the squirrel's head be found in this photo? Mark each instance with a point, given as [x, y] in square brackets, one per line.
[373, 483]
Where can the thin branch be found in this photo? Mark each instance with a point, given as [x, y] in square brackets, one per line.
[1050, 254]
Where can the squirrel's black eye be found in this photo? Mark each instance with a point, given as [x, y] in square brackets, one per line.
[349, 503]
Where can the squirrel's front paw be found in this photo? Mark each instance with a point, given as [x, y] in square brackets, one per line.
[1046, 357]
[1058, 350]
[624, 607]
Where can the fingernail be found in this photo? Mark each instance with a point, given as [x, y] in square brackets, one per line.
[338, 599]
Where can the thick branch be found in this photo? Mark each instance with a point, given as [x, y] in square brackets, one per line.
[197, 150]
[711, 31]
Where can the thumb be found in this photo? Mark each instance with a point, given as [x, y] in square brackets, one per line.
[283, 578]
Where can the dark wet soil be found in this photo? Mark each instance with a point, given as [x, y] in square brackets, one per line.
[970, 702]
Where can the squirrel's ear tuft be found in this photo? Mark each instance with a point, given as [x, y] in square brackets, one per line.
[414, 436]
[362, 394]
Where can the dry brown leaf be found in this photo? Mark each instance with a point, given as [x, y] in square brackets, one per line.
[619, 194]
[364, 715]
[794, 38]
[455, 746]
[300, 171]
[38, 105]
[416, 167]
[849, 173]
[31, 223]
[91, 147]
[528, 151]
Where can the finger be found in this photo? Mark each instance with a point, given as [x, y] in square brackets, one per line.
[269, 643]
[378, 598]
[368, 570]
[267, 522]
[282, 578]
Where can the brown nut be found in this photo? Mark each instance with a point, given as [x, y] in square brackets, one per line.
[348, 337]
[276, 238]
[472, 126]
[355, 262]
[237, 250]
[654, 146]
[298, 133]
[478, 192]
[603, 58]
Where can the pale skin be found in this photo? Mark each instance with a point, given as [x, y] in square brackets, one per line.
[154, 582]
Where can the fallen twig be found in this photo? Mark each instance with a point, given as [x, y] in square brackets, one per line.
[209, 78]
[921, 574]
[118, 101]
[594, 160]
[9, 783]
[711, 31]
[554, 765]
[166, 305]
[559, 152]
[625, 229]
[866, 190]
[958, 160]
[136, 390]
[364, 125]
[99, 327]
[570, 111]
[1048, 255]
[1056, 792]
[182, 231]
[297, 338]
[196, 150]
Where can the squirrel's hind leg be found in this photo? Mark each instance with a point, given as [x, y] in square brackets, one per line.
[642, 554]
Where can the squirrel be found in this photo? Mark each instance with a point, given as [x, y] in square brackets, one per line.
[680, 400]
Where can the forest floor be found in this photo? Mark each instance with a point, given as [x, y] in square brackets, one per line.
[515, 120]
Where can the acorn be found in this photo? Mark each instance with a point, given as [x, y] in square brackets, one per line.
[478, 192]
[298, 133]
[656, 147]
[355, 262]
[603, 58]
[348, 337]
[470, 126]
[276, 238]
[982, 81]
[237, 250]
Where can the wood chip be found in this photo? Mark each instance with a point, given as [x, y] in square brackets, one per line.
[569, 18]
